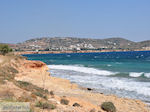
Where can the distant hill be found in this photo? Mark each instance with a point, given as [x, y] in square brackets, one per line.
[144, 43]
[72, 43]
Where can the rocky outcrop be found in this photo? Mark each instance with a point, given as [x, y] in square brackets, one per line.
[34, 64]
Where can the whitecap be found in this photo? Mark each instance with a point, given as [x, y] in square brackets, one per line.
[147, 75]
[82, 69]
[128, 85]
[135, 74]
[109, 65]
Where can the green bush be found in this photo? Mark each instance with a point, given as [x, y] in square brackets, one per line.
[40, 95]
[23, 83]
[4, 49]
[46, 91]
[108, 107]
[64, 101]
[33, 88]
[45, 105]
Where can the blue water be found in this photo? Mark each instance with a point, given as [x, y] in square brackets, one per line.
[126, 74]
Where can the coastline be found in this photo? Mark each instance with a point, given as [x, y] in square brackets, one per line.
[88, 89]
[35, 72]
[106, 94]
[63, 87]
[59, 52]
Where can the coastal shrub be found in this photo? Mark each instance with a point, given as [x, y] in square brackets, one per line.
[4, 49]
[11, 69]
[108, 107]
[29, 86]
[64, 101]
[46, 91]
[26, 97]
[45, 105]
[32, 88]
[7, 73]
[76, 105]
[41, 90]
[40, 95]
[23, 83]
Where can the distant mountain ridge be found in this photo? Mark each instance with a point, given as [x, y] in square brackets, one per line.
[72, 43]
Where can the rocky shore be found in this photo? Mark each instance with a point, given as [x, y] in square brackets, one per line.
[31, 76]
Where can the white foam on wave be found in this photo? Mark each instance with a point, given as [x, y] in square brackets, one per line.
[82, 69]
[147, 75]
[112, 83]
[135, 74]
[109, 65]
[128, 85]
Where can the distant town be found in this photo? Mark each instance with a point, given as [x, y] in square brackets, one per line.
[70, 44]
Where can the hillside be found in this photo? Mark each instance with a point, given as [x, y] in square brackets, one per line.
[70, 43]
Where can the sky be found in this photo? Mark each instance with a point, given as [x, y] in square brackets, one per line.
[22, 20]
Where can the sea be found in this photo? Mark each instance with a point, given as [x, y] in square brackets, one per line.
[125, 74]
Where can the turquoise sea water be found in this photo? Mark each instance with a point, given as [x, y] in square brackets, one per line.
[126, 74]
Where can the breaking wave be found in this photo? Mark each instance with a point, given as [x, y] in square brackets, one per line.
[82, 69]
[135, 74]
[88, 70]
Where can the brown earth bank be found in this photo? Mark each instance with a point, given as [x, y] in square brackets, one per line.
[30, 81]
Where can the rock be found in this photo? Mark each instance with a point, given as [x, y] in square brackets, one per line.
[108, 107]
[76, 105]
[89, 89]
